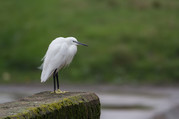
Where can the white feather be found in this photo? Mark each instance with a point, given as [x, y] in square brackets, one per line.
[59, 54]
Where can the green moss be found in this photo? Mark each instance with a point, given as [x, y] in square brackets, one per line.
[71, 107]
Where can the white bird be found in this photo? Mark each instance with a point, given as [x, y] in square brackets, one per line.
[59, 54]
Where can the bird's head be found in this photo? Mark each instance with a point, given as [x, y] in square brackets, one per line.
[74, 41]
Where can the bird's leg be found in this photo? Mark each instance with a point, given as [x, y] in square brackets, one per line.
[58, 90]
[54, 82]
[57, 81]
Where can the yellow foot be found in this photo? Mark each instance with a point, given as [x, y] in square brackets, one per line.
[52, 92]
[59, 91]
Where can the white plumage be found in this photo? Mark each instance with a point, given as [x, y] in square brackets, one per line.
[59, 54]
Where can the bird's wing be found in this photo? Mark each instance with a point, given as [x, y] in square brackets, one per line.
[54, 59]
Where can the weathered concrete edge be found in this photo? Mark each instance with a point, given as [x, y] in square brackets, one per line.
[80, 106]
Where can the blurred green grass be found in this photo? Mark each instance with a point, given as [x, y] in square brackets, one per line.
[132, 41]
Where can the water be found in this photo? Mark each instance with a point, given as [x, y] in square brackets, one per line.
[117, 103]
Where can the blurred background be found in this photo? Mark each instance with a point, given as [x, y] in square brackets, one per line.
[132, 43]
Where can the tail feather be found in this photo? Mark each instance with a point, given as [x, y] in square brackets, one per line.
[45, 75]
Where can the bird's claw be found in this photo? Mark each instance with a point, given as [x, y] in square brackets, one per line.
[59, 91]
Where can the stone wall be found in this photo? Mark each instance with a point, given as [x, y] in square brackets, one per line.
[47, 105]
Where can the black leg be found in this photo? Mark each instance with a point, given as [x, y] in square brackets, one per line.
[54, 82]
[57, 80]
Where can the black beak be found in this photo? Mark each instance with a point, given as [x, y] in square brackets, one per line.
[80, 43]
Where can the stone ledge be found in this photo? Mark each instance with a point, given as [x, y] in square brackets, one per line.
[46, 105]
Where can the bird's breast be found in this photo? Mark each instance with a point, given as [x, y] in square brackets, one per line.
[72, 50]
[70, 54]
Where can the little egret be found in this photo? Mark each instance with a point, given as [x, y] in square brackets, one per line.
[59, 54]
